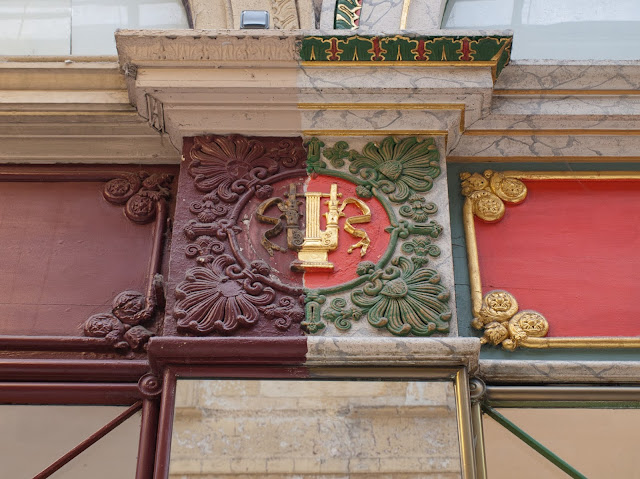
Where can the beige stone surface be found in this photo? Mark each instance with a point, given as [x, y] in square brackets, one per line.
[315, 429]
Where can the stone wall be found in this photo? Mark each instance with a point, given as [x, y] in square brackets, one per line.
[315, 429]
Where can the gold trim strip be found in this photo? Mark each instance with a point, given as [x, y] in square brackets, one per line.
[388, 106]
[582, 342]
[478, 431]
[381, 106]
[373, 132]
[565, 92]
[475, 283]
[397, 64]
[542, 159]
[573, 175]
[405, 14]
[475, 280]
[549, 132]
[465, 433]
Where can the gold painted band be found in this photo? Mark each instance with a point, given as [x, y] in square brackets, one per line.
[582, 342]
[478, 436]
[405, 14]
[373, 132]
[548, 132]
[465, 433]
[542, 159]
[565, 92]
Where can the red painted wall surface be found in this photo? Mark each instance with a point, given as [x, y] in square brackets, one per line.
[571, 251]
[66, 252]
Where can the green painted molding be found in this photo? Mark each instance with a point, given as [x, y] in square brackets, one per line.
[428, 50]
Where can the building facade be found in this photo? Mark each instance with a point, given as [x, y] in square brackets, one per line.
[375, 239]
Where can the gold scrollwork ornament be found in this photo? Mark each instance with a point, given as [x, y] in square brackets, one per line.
[503, 324]
[488, 191]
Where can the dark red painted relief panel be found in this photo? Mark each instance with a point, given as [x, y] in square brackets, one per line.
[222, 279]
[80, 263]
[571, 252]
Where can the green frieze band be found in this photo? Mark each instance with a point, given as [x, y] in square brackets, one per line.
[495, 50]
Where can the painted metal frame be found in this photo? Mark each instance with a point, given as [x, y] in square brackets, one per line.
[486, 398]
[280, 358]
[485, 197]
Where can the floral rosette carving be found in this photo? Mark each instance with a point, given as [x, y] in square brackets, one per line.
[398, 168]
[225, 292]
[122, 328]
[229, 164]
[488, 191]
[404, 299]
[140, 193]
[220, 296]
[504, 325]
[397, 294]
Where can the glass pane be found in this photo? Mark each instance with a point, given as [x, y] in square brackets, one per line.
[597, 442]
[94, 21]
[35, 27]
[314, 429]
[554, 30]
[33, 437]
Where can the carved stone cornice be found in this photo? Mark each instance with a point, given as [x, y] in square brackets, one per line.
[278, 83]
[73, 112]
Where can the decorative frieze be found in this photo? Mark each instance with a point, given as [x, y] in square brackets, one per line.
[295, 241]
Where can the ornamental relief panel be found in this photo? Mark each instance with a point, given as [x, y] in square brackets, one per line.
[280, 237]
[81, 274]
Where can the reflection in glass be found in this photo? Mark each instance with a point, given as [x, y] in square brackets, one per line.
[597, 442]
[556, 30]
[79, 27]
[315, 429]
[33, 437]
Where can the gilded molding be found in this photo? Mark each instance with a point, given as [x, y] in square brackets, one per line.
[497, 312]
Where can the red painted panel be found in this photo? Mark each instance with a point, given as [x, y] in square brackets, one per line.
[66, 252]
[572, 252]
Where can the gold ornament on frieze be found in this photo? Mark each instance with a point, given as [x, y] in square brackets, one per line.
[503, 324]
[488, 191]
